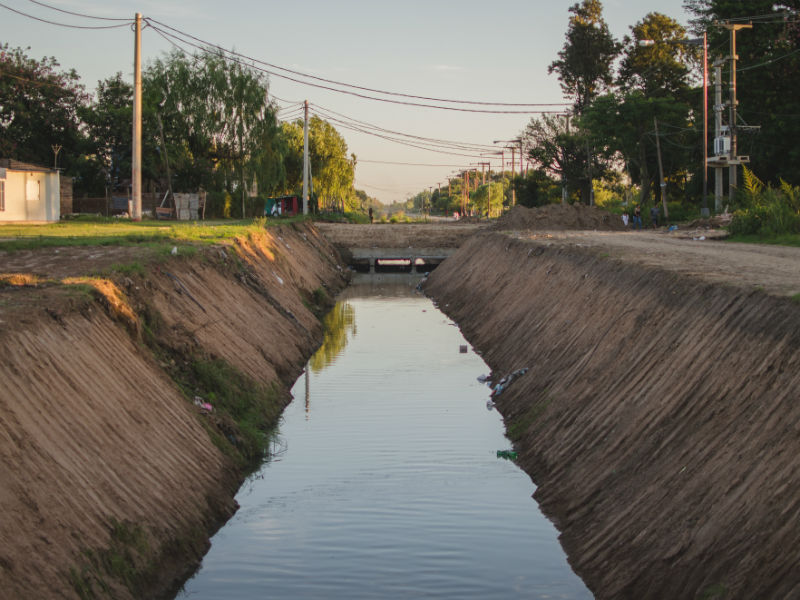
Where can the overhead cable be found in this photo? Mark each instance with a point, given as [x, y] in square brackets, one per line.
[69, 12]
[24, 14]
[354, 86]
[250, 63]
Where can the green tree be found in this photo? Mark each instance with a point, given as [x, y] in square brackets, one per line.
[584, 64]
[39, 109]
[656, 58]
[219, 129]
[108, 125]
[332, 170]
[622, 127]
[559, 151]
[538, 188]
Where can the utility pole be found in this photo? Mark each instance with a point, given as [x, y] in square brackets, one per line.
[305, 158]
[513, 175]
[718, 107]
[732, 177]
[564, 193]
[661, 183]
[704, 209]
[589, 169]
[136, 159]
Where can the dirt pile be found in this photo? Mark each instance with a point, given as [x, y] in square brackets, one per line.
[658, 418]
[558, 217]
[113, 478]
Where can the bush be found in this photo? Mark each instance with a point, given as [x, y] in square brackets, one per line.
[678, 211]
[218, 205]
[767, 212]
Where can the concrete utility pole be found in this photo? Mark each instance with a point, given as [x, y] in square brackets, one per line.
[704, 209]
[718, 107]
[732, 177]
[305, 158]
[136, 159]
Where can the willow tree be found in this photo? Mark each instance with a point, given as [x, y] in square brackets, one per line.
[219, 128]
[332, 169]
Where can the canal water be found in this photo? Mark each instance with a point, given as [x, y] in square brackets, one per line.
[385, 481]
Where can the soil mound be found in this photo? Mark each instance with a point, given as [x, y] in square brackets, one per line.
[558, 217]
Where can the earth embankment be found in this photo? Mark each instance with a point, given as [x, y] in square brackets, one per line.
[659, 418]
[112, 476]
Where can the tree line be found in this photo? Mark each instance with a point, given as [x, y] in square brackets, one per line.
[634, 97]
[208, 123]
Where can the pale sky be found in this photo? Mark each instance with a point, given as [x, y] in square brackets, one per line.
[452, 49]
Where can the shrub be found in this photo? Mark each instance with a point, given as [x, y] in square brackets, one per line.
[765, 210]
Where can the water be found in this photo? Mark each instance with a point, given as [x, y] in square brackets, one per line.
[386, 482]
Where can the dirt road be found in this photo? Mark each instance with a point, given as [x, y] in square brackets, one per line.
[775, 269]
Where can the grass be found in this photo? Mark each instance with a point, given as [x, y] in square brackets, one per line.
[518, 428]
[100, 231]
[786, 239]
[128, 547]
[246, 410]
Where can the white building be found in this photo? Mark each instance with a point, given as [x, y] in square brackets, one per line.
[29, 193]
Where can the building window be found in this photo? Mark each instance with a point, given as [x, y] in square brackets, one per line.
[2, 195]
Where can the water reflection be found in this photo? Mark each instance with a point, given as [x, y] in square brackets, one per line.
[394, 489]
[339, 324]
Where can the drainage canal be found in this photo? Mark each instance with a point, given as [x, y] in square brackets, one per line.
[386, 481]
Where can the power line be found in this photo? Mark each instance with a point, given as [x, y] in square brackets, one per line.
[24, 14]
[237, 57]
[69, 12]
[460, 145]
[408, 164]
[353, 86]
[399, 141]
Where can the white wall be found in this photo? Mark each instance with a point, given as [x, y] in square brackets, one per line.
[24, 206]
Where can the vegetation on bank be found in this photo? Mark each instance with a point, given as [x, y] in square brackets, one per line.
[102, 231]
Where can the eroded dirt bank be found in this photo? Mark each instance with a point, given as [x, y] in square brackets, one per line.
[659, 419]
[112, 479]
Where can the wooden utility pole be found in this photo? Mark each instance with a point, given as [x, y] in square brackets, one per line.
[306, 166]
[661, 183]
[136, 158]
[513, 174]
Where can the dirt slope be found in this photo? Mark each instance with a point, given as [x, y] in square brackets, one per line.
[111, 482]
[659, 418]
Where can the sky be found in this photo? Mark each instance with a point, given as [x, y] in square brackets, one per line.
[450, 49]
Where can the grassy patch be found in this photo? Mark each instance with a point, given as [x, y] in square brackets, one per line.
[714, 592]
[518, 428]
[126, 560]
[134, 268]
[245, 410]
[115, 232]
[786, 239]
